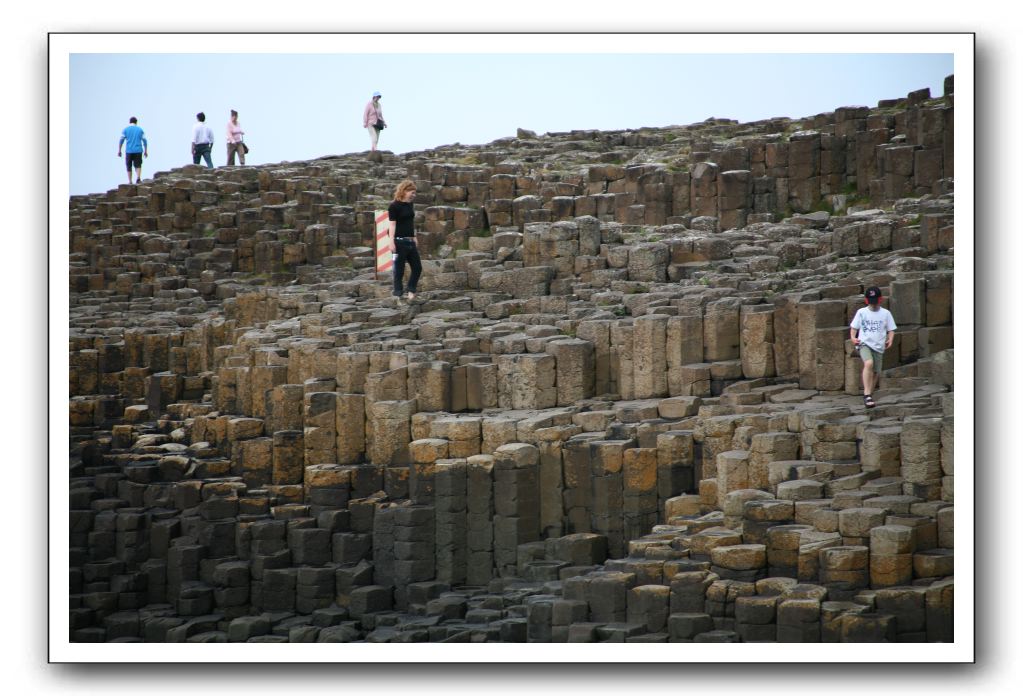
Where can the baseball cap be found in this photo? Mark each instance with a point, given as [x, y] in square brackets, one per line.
[377, 94]
[873, 295]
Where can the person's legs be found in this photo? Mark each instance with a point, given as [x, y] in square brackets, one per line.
[868, 369]
[868, 377]
[241, 153]
[129, 160]
[878, 360]
[136, 160]
[374, 134]
[231, 149]
[417, 269]
[206, 155]
[399, 268]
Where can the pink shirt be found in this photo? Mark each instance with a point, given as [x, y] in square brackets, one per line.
[234, 132]
[371, 114]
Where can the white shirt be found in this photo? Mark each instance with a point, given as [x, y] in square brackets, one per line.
[873, 326]
[202, 134]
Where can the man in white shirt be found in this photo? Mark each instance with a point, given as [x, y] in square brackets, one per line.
[875, 327]
[202, 141]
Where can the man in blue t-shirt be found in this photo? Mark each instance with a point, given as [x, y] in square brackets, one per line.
[136, 147]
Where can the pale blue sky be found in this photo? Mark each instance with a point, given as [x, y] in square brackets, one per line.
[297, 107]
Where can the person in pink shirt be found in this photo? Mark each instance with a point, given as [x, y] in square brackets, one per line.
[373, 120]
[234, 140]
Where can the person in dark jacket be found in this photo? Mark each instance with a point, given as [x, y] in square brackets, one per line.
[402, 217]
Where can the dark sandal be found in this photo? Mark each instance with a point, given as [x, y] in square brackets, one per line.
[868, 401]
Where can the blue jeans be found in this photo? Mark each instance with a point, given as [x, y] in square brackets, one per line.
[203, 151]
[406, 252]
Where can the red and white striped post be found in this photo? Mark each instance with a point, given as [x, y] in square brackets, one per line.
[385, 248]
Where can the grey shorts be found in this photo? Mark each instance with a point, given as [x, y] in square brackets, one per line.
[868, 353]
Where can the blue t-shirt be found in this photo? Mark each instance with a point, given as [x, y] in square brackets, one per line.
[135, 138]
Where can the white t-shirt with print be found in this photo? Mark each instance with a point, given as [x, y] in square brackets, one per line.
[873, 326]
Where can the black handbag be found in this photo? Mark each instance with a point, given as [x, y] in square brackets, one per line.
[380, 125]
[245, 149]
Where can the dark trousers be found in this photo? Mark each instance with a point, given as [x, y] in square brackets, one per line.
[203, 151]
[406, 252]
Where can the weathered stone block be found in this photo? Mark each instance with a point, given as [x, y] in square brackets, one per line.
[574, 369]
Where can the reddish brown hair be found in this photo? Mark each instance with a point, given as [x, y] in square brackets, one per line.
[403, 188]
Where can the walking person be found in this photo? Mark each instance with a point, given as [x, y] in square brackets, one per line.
[136, 147]
[202, 141]
[402, 215]
[235, 142]
[373, 120]
[875, 327]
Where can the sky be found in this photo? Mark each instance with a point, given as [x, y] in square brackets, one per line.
[303, 106]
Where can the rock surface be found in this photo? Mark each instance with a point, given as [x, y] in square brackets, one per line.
[623, 407]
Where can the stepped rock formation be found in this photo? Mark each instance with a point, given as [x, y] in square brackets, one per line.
[624, 407]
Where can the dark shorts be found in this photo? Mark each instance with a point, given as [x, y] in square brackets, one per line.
[133, 159]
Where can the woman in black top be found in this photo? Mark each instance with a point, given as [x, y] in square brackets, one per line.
[403, 236]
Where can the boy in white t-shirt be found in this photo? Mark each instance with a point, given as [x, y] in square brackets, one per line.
[876, 328]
